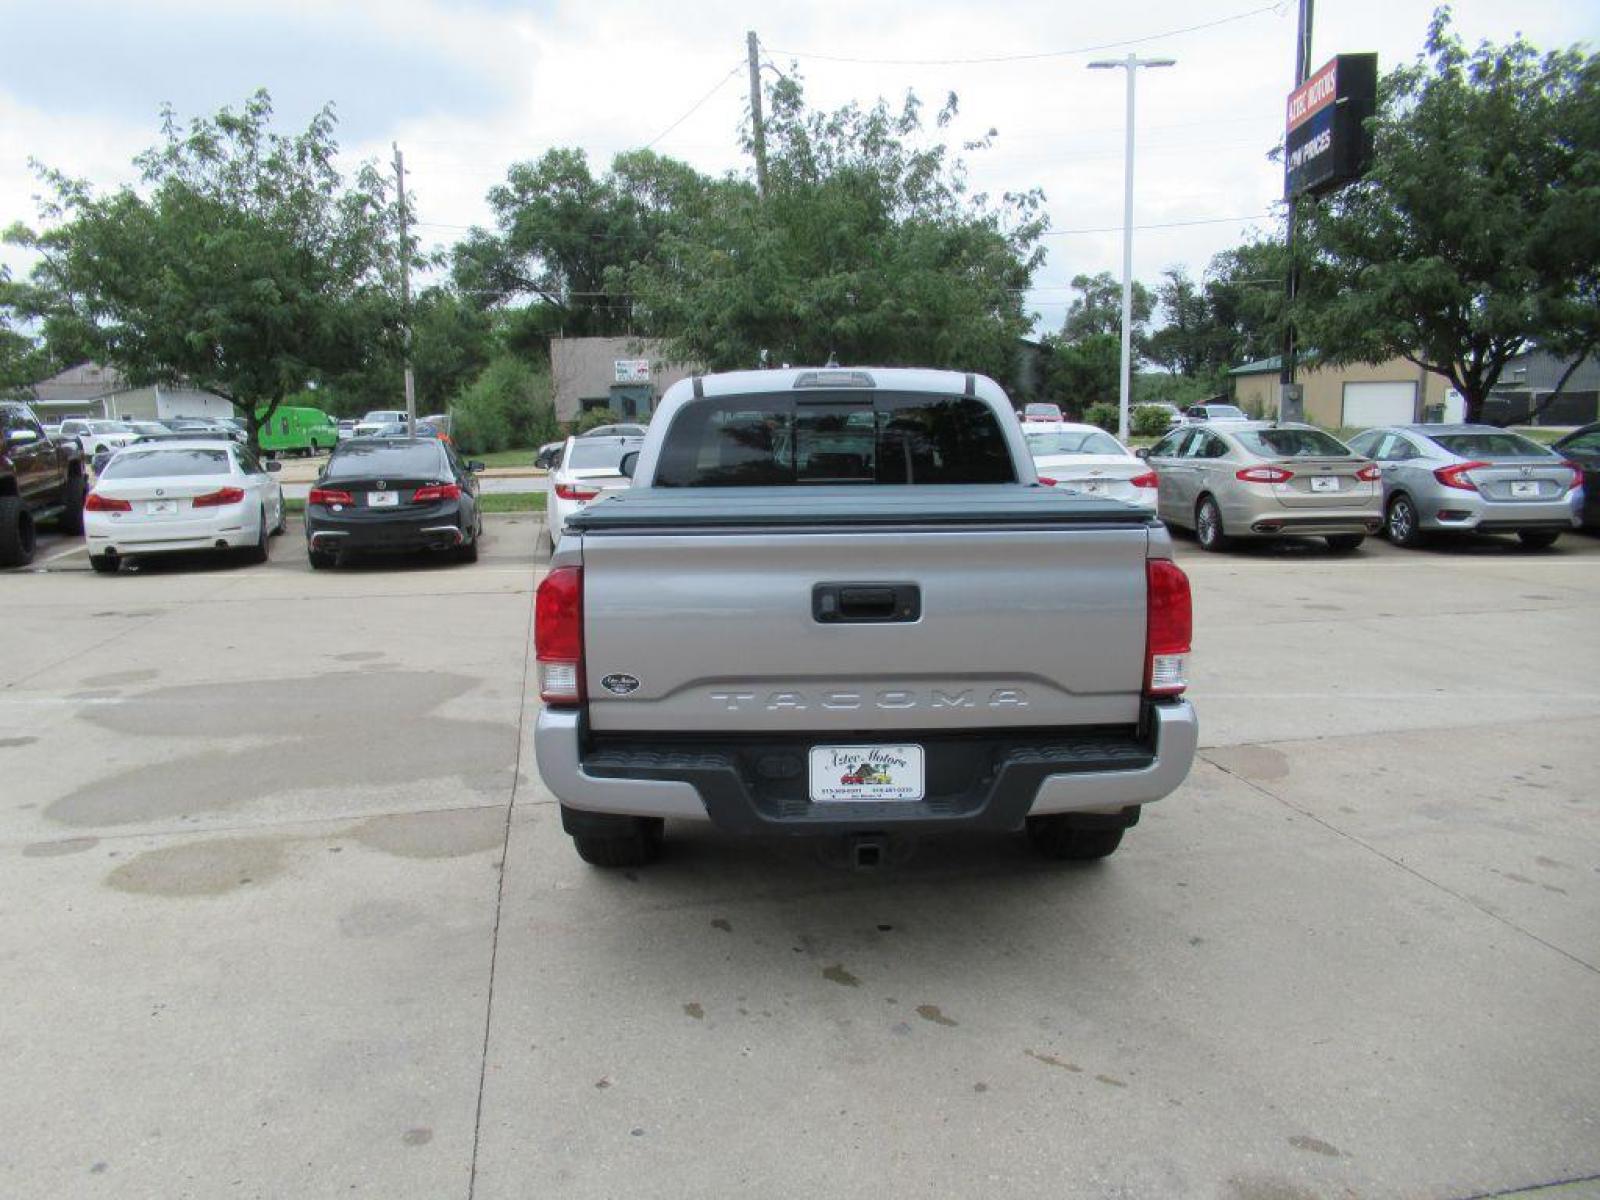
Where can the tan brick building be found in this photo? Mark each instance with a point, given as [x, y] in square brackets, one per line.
[624, 374]
[1358, 396]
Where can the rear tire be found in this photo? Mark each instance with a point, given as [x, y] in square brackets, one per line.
[467, 552]
[1343, 543]
[1060, 837]
[1208, 529]
[322, 560]
[611, 841]
[282, 526]
[1402, 523]
[1538, 539]
[72, 496]
[104, 564]
[17, 540]
[258, 552]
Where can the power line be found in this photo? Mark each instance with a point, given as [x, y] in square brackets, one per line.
[695, 107]
[1040, 54]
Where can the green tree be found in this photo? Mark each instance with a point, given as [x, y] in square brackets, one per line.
[1097, 309]
[1244, 291]
[1182, 344]
[1474, 233]
[509, 405]
[1082, 373]
[867, 246]
[244, 265]
[23, 357]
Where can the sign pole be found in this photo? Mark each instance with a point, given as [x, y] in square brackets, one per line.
[1290, 406]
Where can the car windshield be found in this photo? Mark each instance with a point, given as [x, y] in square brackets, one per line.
[1224, 412]
[109, 427]
[1491, 445]
[148, 427]
[156, 464]
[403, 460]
[834, 438]
[1292, 443]
[1072, 441]
[1042, 410]
[590, 455]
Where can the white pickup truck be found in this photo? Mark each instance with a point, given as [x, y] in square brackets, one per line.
[838, 602]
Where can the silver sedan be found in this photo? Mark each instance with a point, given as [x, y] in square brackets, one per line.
[1259, 479]
[1472, 479]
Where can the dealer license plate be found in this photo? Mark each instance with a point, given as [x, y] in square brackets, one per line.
[1324, 483]
[1522, 488]
[383, 499]
[840, 774]
[160, 508]
[1094, 487]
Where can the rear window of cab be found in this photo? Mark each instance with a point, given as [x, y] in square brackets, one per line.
[833, 438]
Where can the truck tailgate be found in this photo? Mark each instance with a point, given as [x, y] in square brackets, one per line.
[714, 626]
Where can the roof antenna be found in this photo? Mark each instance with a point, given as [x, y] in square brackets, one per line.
[833, 359]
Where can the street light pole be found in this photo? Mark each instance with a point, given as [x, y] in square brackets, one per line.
[1131, 65]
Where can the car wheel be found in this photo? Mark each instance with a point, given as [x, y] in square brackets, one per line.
[17, 543]
[104, 564]
[1538, 539]
[72, 495]
[258, 552]
[467, 552]
[1343, 543]
[322, 560]
[1401, 522]
[609, 841]
[282, 526]
[1061, 838]
[1208, 526]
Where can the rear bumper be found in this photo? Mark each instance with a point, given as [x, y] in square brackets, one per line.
[1062, 772]
[1474, 513]
[113, 536]
[438, 529]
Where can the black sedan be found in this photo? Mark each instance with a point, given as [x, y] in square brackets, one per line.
[1582, 448]
[393, 494]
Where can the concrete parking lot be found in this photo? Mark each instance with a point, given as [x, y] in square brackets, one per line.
[286, 912]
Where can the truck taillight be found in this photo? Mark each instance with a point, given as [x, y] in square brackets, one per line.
[558, 635]
[1169, 626]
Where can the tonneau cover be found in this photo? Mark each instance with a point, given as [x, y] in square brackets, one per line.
[810, 507]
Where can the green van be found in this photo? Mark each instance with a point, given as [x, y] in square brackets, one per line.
[299, 431]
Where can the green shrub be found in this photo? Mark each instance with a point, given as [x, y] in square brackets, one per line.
[1149, 421]
[508, 406]
[1103, 415]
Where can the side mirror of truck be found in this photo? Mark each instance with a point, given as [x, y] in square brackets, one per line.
[474, 466]
[21, 437]
[629, 462]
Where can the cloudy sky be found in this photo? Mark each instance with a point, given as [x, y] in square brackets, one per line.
[468, 87]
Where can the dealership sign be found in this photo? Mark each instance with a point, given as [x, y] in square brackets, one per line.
[1326, 143]
[632, 370]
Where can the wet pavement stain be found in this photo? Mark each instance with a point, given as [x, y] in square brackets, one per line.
[209, 868]
[693, 1009]
[1050, 1060]
[722, 923]
[1114, 1082]
[10, 743]
[447, 834]
[1314, 1146]
[57, 849]
[980, 1087]
[930, 1012]
[420, 1136]
[839, 975]
[297, 752]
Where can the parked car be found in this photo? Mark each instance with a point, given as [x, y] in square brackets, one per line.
[207, 426]
[95, 436]
[294, 429]
[393, 494]
[1215, 412]
[633, 431]
[41, 480]
[1085, 458]
[1582, 448]
[398, 429]
[1472, 479]
[440, 423]
[737, 636]
[160, 433]
[589, 469]
[1041, 412]
[1258, 479]
[378, 418]
[182, 495]
[347, 429]
[548, 454]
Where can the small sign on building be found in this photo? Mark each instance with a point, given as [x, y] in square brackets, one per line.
[633, 370]
[1326, 144]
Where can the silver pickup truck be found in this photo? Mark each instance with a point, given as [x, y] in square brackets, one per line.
[838, 602]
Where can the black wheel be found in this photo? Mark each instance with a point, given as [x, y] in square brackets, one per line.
[258, 552]
[104, 564]
[1538, 539]
[70, 521]
[609, 841]
[1401, 522]
[283, 520]
[17, 542]
[467, 552]
[322, 560]
[1208, 527]
[1343, 543]
[1060, 837]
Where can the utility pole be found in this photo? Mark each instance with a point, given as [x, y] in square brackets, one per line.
[758, 135]
[1131, 65]
[405, 289]
[1289, 406]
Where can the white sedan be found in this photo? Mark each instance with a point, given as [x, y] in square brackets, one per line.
[163, 497]
[588, 469]
[97, 437]
[1085, 458]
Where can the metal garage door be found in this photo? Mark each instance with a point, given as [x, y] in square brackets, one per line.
[1369, 404]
